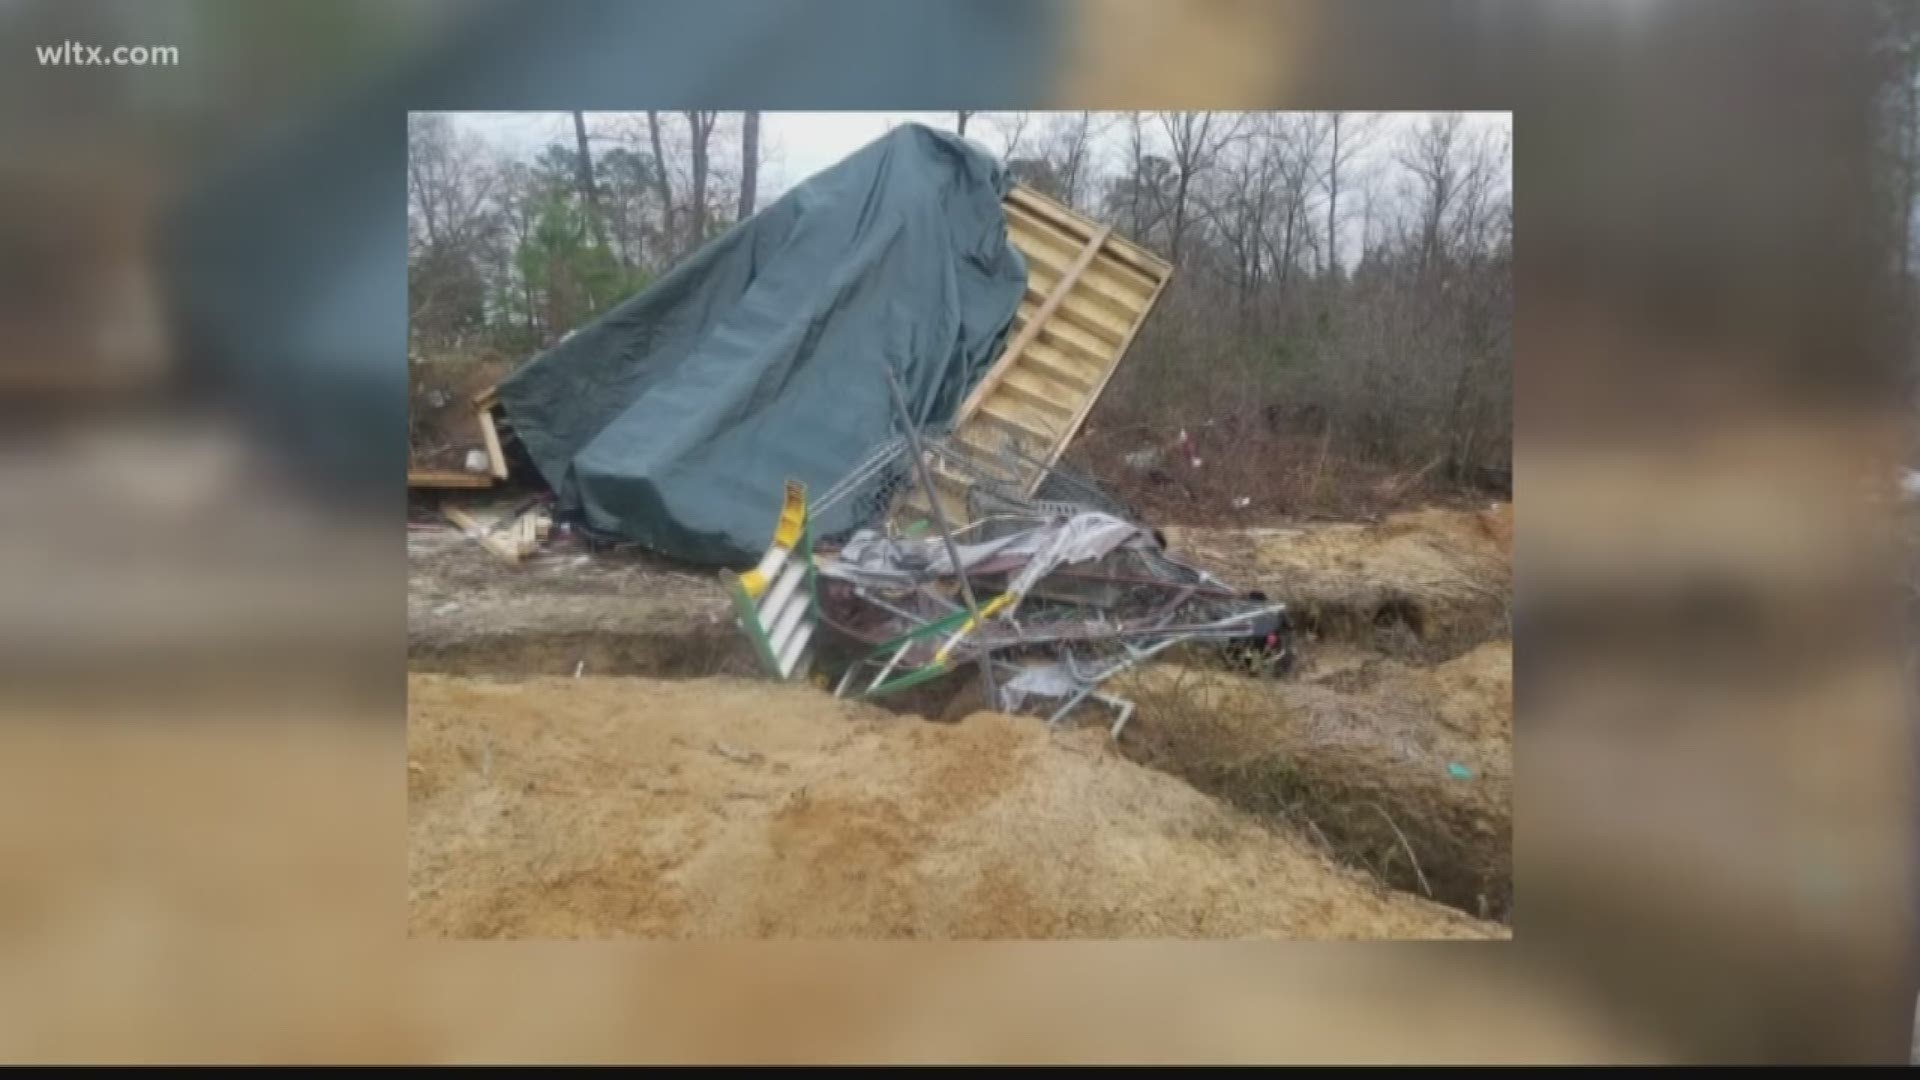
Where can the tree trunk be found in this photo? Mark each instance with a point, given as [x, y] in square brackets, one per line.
[961, 121]
[697, 208]
[1333, 199]
[1179, 218]
[583, 166]
[662, 185]
[583, 174]
[1286, 245]
[749, 162]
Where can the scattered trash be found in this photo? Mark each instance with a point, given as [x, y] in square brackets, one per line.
[477, 461]
[1242, 502]
[578, 668]
[1459, 771]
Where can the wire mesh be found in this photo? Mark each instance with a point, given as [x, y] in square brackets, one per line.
[991, 481]
[1096, 618]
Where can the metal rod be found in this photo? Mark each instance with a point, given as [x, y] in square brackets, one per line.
[940, 520]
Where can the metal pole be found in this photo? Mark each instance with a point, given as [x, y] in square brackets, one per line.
[940, 520]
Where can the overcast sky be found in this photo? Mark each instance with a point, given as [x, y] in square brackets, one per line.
[796, 145]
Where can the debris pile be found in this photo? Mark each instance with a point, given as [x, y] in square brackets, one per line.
[513, 535]
[1047, 598]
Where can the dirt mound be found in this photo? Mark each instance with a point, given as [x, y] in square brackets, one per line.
[719, 808]
[562, 610]
[1424, 585]
[1405, 771]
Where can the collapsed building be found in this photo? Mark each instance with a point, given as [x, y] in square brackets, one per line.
[855, 404]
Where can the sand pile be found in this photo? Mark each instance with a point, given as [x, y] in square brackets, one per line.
[719, 808]
[1422, 585]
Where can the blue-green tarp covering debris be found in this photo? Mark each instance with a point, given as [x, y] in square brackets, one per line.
[676, 418]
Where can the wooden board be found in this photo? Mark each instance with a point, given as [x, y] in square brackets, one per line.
[1088, 292]
[496, 459]
[503, 546]
[447, 478]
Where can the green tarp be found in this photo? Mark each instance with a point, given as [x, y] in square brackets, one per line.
[676, 418]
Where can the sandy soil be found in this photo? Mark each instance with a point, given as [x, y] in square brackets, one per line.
[1391, 744]
[719, 808]
[1424, 585]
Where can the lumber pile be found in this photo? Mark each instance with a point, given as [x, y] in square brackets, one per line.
[512, 536]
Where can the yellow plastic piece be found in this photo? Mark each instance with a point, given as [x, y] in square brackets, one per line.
[988, 611]
[793, 521]
[793, 516]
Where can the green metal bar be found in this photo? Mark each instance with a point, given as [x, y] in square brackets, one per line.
[749, 616]
[911, 679]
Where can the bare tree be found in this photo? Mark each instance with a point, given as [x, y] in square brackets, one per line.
[1194, 140]
[960, 123]
[662, 182]
[749, 162]
[449, 178]
[1479, 207]
[1428, 152]
[1294, 144]
[700, 124]
[1071, 141]
[1237, 211]
[1012, 127]
[1347, 136]
[1058, 155]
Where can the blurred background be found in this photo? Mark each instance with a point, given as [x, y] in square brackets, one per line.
[203, 636]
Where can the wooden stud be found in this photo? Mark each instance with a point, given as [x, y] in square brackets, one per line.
[496, 459]
[447, 478]
[500, 546]
[1032, 329]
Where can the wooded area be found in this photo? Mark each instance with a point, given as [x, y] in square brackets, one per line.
[1337, 334]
